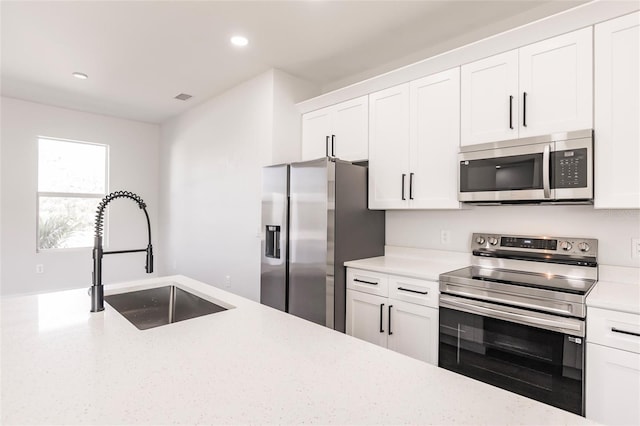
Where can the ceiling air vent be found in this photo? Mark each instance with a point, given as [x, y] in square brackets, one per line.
[183, 96]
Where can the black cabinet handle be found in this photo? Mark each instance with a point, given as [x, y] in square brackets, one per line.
[333, 137]
[389, 318]
[381, 308]
[326, 146]
[411, 186]
[511, 112]
[524, 109]
[365, 282]
[631, 333]
[403, 176]
[413, 291]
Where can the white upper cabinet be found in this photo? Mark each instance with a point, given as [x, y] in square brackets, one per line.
[541, 88]
[413, 144]
[556, 84]
[434, 141]
[389, 148]
[316, 131]
[338, 131]
[490, 101]
[617, 108]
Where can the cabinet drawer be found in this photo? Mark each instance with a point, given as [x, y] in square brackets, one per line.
[620, 330]
[368, 282]
[412, 290]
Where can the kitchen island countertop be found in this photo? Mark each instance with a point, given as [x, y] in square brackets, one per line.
[250, 364]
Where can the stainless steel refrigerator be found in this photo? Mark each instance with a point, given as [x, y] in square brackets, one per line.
[315, 218]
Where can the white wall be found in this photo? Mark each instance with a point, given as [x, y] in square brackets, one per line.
[134, 152]
[614, 229]
[211, 160]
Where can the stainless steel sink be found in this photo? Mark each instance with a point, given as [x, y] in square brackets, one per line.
[160, 306]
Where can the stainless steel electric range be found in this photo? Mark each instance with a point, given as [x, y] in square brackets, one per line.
[515, 318]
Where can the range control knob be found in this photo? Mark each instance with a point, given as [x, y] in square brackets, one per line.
[480, 240]
[566, 245]
[584, 247]
[493, 241]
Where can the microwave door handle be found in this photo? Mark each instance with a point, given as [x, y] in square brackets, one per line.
[546, 158]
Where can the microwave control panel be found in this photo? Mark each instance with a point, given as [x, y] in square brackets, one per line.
[570, 168]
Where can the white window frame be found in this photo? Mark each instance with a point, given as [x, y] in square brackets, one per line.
[39, 194]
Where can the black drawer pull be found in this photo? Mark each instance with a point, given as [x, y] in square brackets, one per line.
[389, 319]
[364, 282]
[413, 291]
[381, 308]
[630, 333]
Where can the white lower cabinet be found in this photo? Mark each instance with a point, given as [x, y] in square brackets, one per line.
[399, 313]
[613, 367]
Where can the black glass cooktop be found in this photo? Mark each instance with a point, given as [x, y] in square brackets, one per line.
[526, 279]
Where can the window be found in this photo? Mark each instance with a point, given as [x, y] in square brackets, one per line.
[72, 179]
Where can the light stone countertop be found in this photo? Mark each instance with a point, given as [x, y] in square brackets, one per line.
[250, 364]
[417, 263]
[618, 289]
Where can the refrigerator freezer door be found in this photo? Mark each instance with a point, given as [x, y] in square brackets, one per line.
[273, 268]
[311, 227]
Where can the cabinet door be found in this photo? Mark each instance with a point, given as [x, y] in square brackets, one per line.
[612, 385]
[617, 108]
[389, 148]
[489, 93]
[413, 330]
[435, 140]
[556, 84]
[367, 317]
[350, 129]
[315, 130]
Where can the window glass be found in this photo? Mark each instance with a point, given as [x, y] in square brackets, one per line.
[72, 179]
[71, 167]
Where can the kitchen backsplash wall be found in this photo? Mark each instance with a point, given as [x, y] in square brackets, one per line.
[614, 229]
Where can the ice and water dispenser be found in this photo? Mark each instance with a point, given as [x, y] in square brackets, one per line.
[272, 244]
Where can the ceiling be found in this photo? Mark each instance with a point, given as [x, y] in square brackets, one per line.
[140, 54]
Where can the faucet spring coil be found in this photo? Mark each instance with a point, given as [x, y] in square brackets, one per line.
[99, 222]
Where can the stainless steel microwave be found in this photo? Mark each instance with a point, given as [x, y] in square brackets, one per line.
[552, 168]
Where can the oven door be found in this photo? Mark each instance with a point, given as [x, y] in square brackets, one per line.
[517, 173]
[542, 364]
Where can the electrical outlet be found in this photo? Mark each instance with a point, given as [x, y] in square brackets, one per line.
[445, 236]
[635, 248]
[227, 281]
[39, 268]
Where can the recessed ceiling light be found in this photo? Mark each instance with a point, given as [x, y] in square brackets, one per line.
[239, 41]
[80, 75]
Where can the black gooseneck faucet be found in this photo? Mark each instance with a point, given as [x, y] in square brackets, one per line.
[97, 290]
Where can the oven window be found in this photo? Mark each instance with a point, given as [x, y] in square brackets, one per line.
[543, 365]
[517, 172]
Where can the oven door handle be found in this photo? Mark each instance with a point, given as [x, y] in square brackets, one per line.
[570, 326]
